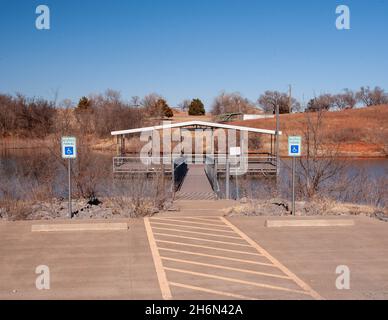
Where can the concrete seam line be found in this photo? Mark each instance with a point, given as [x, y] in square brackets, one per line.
[256, 284]
[293, 276]
[162, 278]
[222, 293]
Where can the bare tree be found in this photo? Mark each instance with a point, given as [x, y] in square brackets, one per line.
[184, 105]
[24, 116]
[345, 100]
[232, 103]
[271, 99]
[135, 101]
[373, 97]
[111, 113]
[323, 102]
[152, 104]
[319, 164]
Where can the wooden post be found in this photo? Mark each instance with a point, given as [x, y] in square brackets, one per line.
[118, 146]
[123, 145]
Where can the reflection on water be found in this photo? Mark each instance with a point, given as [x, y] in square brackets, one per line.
[23, 172]
[363, 181]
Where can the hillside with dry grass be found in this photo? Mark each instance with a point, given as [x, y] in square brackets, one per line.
[357, 133]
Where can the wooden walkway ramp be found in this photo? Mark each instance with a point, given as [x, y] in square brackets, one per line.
[196, 185]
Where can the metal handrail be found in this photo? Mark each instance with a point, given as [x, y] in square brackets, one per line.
[150, 164]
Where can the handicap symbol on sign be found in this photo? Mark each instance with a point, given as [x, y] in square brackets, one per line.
[69, 151]
[294, 149]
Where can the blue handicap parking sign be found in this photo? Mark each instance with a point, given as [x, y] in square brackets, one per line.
[69, 151]
[295, 149]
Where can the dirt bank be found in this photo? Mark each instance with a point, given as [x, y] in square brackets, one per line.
[357, 133]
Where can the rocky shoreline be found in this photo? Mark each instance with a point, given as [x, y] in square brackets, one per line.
[106, 208]
[321, 207]
[122, 207]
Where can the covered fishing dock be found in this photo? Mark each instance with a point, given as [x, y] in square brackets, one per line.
[198, 152]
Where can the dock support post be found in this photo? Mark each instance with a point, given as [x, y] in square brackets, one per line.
[172, 177]
[118, 146]
[215, 175]
[227, 176]
[277, 143]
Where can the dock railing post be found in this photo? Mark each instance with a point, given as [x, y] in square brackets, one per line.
[277, 142]
[227, 176]
[172, 176]
[215, 174]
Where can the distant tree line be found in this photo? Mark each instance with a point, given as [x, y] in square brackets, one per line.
[96, 115]
[26, 116]
[100, 114]
[270, 100]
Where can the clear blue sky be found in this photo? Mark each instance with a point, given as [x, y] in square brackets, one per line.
[187, 49]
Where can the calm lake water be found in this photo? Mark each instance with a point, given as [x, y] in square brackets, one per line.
[22, 171]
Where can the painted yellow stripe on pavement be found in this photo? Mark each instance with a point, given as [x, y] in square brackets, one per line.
[191, 227]
[193, 217]
[293, 276]
[217, 257]
[217, 219]
[196, 232]
[194, 222]
[221, 293]
[256, 284]
[206, 247]
[161, 274]
[201, 239]
[225, 268]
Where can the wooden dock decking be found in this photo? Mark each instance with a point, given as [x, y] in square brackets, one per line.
[196, 185]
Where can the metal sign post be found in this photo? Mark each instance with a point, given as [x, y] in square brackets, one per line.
[69, 151]
[69, 168]
[294, 150]
[293, 185]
